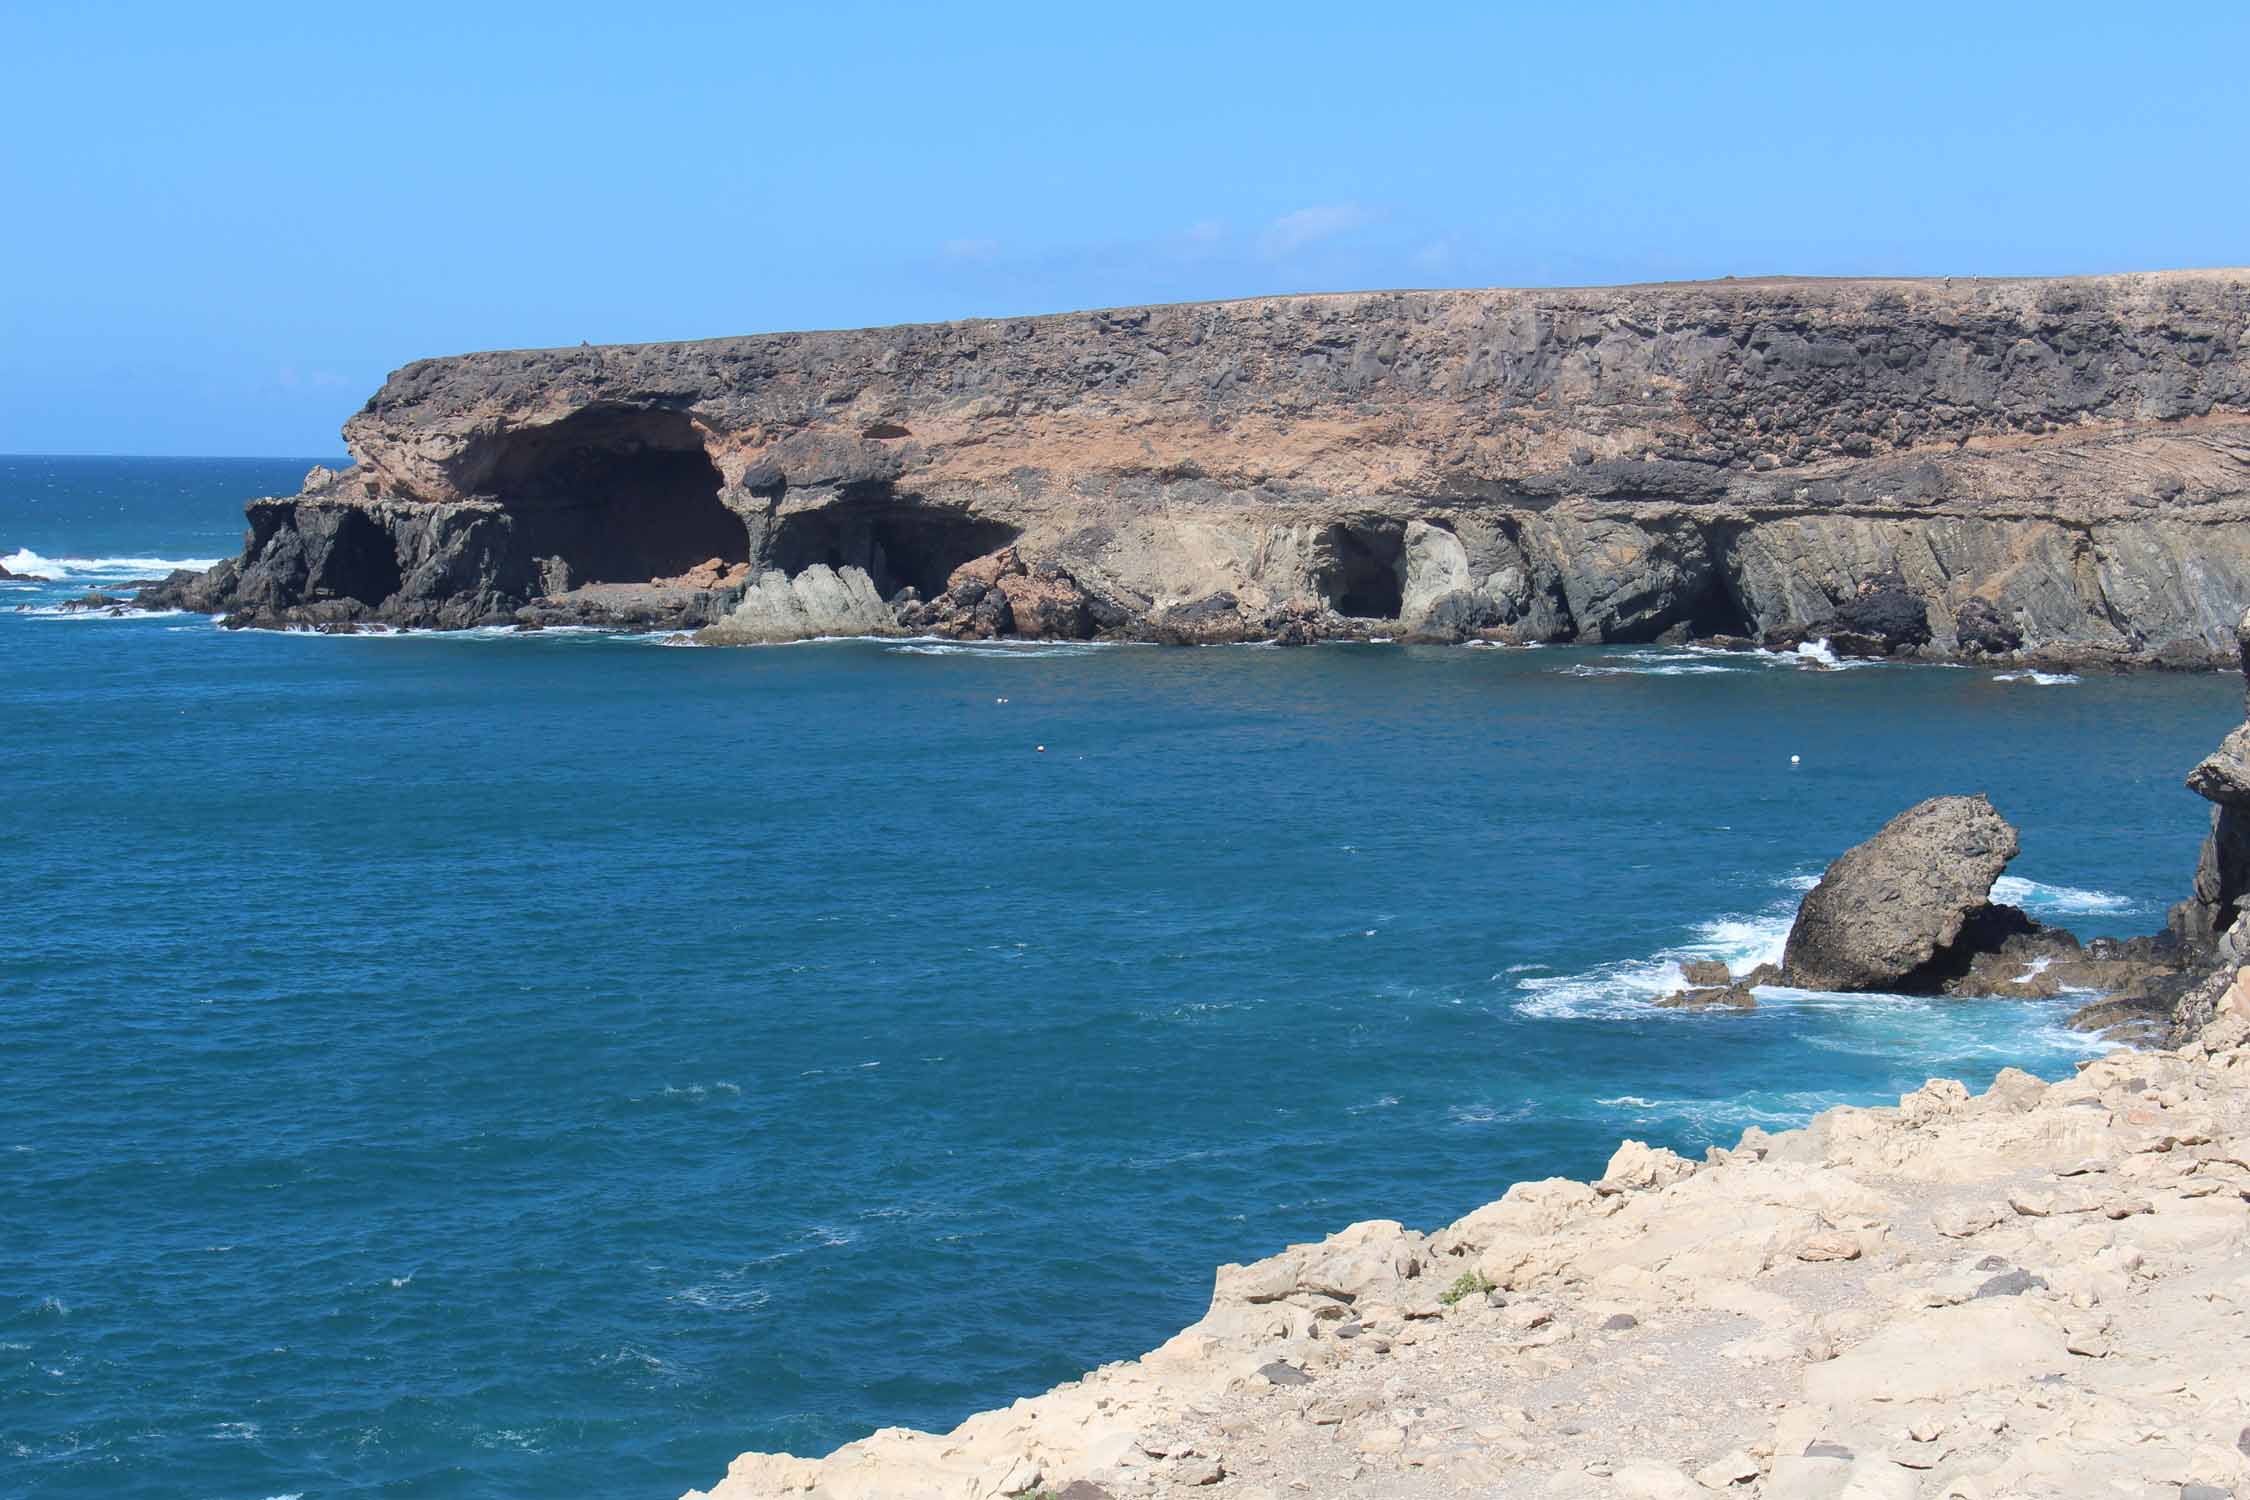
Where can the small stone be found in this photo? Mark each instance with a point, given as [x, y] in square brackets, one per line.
[1617, 1322]
[1737, 1467]
[1827, 1246]
[1281, 1372]
[2009, 1284]
[1827, 1450]
[1198, 1471]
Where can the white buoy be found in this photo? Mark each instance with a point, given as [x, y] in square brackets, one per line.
[1792, 760]
[1042, 749]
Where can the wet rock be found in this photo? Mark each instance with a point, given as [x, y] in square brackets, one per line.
[1047, 603]
[1884, 613]
[1214, 619]
[1706, 972]
[1886, 908]
[1980, 630]
[1720, 997]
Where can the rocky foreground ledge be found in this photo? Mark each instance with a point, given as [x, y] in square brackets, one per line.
[2040, 1290]
[2043, 471]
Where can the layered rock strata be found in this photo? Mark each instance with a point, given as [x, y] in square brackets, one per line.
[2052, 468]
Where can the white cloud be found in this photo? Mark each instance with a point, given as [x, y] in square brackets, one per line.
[1292, 232]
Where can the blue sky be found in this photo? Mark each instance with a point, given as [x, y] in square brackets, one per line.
[226, 223]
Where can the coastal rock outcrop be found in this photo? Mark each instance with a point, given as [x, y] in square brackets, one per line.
[819, 601]
[2058, 468]
[1886, 910]
[1965, 1296]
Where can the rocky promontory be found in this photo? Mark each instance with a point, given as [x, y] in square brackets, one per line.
[2039, 469]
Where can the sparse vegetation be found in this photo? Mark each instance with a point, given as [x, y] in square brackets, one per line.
[1467, 1284]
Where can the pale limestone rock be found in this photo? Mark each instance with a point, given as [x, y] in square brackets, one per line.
[1635, 1166]
[1945, 1352]
[820, 601]
[1652, 1481]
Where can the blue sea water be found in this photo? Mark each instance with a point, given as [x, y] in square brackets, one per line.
[497, 1065]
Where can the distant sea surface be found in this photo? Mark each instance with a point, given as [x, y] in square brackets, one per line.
[548, 1065]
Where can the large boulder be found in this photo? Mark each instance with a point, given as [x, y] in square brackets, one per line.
[820, 601]
[1885, 613]
[1886, 908]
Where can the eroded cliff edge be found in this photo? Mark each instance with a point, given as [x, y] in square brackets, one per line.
[2056, 466]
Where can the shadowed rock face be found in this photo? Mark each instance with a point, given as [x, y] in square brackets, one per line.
[2056, 463]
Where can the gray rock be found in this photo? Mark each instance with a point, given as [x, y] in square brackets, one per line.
[1887, 908]
[820, 601]
[2009, 1284]
[1282, 1373]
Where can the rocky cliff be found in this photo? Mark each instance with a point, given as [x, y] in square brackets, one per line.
[1929, 466]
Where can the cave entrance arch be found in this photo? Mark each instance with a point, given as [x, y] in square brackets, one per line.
[1361, 569]
[614, 494]
[902, 542]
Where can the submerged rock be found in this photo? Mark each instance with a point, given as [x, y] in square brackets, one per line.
[1708, 997]
[1886, 908]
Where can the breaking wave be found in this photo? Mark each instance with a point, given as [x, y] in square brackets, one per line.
[63, 569]
[2043, 679]
[1625, 988]
[2041, 899]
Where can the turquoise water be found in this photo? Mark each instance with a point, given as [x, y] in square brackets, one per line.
[549, 1065]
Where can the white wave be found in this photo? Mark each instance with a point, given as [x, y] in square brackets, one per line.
[1624, 988]
[1656, 669]
[2043, 679]
[2058, 900]
[57, 569]
[101, 612]
[1488, 1114]
[1818, 653]
[1712, 1115]
[1011, 650]
[720, 1298]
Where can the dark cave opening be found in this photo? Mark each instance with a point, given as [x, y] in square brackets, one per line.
[616, 495]
[901, 542]
[1362, 569]
[360, 562]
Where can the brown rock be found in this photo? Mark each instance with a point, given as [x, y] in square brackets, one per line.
[1887, 907]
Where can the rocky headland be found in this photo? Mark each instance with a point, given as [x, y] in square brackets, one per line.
[2034, 1290]
[2040, 470]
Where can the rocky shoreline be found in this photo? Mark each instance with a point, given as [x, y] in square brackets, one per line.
[2050, 473]
[2034, 1290]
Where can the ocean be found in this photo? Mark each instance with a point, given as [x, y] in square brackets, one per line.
[542, 1065]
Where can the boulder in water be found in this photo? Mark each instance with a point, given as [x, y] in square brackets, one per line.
[1888, 907]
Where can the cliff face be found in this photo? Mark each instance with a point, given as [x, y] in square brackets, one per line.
[2057, 464]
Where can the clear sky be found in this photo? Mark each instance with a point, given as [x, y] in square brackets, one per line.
[224, 223]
